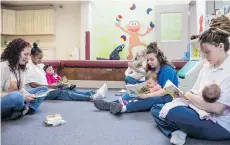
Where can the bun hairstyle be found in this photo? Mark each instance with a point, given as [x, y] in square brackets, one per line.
[35, 45]
[153, 48]
[222, 22]
[35, 50]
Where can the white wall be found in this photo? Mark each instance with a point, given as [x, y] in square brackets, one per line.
[192, 20]
[67, 30]
[201, 10]
[171, 2]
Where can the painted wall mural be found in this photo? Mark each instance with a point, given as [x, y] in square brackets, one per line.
[121, 23]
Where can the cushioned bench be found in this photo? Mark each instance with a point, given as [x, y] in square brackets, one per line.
[110, 70]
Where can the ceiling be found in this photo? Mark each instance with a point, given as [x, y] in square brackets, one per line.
[24, 3]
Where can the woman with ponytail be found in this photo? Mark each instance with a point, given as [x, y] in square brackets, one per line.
[182, 121]
[36, 78]
[157, 63]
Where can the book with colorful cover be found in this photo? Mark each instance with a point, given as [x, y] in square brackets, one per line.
[173, 90]
[137, 89]
[136, 66]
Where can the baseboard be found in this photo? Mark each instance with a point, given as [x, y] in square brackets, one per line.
[97, 84]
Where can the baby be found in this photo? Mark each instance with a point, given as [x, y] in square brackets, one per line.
[152, 84]
[151, 87]
[211, 93]
[53, 78]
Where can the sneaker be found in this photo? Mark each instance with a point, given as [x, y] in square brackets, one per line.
[178, 137]
[16, 115]
[102, 105]
[102, 91]
[72, 87]
[115, 108]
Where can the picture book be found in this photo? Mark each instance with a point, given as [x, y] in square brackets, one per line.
[172, 90]
[137, 89]
[137, 67]
[43, 94]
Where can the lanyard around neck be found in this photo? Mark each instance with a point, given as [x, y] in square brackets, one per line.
[18, 78]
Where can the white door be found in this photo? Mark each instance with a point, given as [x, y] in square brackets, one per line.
[171, 29]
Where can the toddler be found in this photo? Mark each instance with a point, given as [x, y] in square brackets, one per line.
[53, 78]
[151, 87]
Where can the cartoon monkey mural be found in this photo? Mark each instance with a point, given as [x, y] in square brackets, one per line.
[133, 32]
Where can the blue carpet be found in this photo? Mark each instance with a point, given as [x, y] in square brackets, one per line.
[87, 126]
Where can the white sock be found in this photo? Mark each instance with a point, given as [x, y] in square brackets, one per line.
[121, 101]
[102, 91]
[95, 96]
[26, 110]
[178, 137]
[123, 108]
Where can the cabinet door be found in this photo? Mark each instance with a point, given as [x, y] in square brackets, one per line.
[44, 21]
[38, 22]
[8, 21]
[49, 21]
[24, 21]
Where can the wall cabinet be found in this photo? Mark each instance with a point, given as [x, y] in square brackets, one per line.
[8, 21]
[43, 21]
[28, 22]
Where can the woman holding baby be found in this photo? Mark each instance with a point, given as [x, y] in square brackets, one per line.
[156, 63]
[182, 121]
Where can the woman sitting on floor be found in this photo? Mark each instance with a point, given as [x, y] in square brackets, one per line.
[182, 121]
[35, 77]
[15, 100]
[158, 63]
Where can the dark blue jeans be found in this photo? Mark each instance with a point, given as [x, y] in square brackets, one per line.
[130, 80]
[70, 95]
[11, 102]
[144, 104]
[187, 120]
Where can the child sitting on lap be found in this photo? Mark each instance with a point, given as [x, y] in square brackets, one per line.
[151, 87]
[210, 93]
[54, 78]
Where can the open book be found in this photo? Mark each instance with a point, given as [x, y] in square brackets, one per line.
[137, 66]
[43, 94]
[172, 90]
[137, 89]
